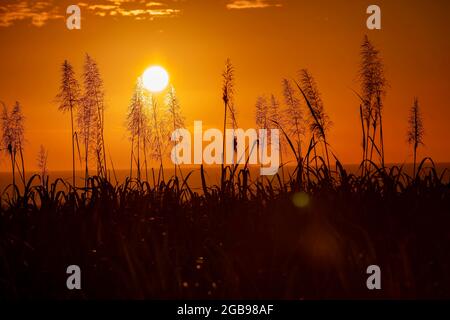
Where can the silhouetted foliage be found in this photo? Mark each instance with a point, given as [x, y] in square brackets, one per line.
[42, 164]
[307, 237]
[13, 138]
[69, 99]
[293, 115]
[175, 115]
[91, 119]
[416, 130]
[137, 123]
[319, 122]
[373, 90]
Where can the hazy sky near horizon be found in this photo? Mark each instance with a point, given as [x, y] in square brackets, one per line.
[266, 40]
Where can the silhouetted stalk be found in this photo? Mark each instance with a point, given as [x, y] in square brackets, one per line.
[223, 144]
[381, 139]
[86, 159]
[94, 98]
[145, 158]
[101, 154]
[261, 116]
[227, 97]
[102, 126]
[282, 164]
[293, 114]
[319, 119]
[326, 152]
[366, 157]
[13, 162]
[363, 140]
[415, 159]
[315, 153]
[373, 86]
[158, 138]
[42, 165]
[73, 148]
[12, 137]
[374, 128]
[23, 164]
[175, 165]
[131, 156]
[416, 131]
[69, 97]
[174, 109]
[139, 148]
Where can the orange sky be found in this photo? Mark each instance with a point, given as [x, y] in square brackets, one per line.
[266, 40]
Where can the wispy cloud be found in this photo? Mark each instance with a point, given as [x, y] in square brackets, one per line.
[252, 4]
[38, 13]
[139, 9]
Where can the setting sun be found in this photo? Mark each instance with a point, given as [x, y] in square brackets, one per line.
[155, 79]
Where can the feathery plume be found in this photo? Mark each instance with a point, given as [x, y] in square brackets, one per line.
[69, 98]
[416, 129]
[293, 114]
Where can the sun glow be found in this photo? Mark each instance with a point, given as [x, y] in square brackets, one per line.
[155, 79]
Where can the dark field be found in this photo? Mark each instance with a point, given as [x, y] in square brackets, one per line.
[311, 238]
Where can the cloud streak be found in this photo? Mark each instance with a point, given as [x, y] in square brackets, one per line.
[38, 13]
[251, 4]
[140, 10]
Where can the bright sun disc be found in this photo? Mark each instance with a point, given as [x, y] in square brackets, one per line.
[155, 79]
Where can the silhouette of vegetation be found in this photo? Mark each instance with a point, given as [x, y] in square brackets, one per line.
[13, 138]
[69, 98]
[91, 119]
[137, 122]
[229, 110]
[373, 90]
[307, 236]
[175, 116]
[318, 122]
[42, 164]
[416, 131]
[293, 115]
[158, 134]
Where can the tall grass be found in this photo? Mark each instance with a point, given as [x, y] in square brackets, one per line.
[311, 235]
[416, 131]
[312, 238]
[69, 98]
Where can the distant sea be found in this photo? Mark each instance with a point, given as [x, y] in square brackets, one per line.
[212, 174]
